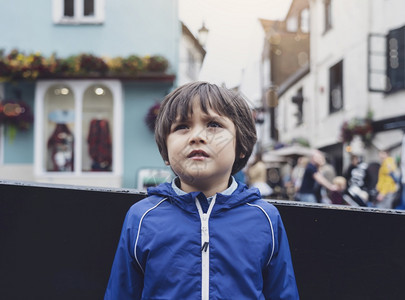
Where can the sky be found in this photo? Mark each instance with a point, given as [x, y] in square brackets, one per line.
[235, 35]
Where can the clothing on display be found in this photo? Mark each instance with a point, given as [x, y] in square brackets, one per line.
[61, 149]
[100, 145]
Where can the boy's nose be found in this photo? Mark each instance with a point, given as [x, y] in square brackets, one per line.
[198, 135]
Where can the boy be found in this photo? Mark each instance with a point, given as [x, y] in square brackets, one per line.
[203, 236]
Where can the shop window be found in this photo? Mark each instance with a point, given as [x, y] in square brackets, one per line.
[58, 129]
[77, 130]
[78, 11]
[336, 87]
[97, 123]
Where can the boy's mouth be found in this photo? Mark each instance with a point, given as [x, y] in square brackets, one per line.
[197, 154]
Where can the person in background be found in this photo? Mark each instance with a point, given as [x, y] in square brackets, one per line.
[400, 178]
[312, 175]
[337, 197]
[354, 162]
[257, 176]
[298, 172]
[357, 176]
[328, 171]
[386, 185]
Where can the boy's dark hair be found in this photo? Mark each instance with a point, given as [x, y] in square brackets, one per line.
[223, 101]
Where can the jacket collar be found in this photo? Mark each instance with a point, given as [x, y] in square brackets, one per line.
[241, 195]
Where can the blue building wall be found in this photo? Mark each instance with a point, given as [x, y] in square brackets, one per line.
[19, 150]
[140, 147]
[130, 27]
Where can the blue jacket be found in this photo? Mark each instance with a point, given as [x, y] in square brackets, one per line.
[180, 247]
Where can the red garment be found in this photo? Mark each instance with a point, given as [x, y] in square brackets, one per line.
[100, 145]
[336, 197]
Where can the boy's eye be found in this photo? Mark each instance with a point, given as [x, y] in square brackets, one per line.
[180, 127]
[214, 124]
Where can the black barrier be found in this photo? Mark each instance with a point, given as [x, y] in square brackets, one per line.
[346, 253]
[58, 242]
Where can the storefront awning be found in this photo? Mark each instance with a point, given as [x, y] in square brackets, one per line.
[291, 151]
[387, 140]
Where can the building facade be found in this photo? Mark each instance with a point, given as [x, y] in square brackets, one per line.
[89, 124]
[354, 81]
[191, 57]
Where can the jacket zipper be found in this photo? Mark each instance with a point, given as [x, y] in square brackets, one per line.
[205, 250]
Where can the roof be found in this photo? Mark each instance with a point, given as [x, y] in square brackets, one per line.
[297, 5]
[294, 78]
[187, 32]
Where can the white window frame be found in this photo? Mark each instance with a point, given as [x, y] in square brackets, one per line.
[78, 18]
[78, 87]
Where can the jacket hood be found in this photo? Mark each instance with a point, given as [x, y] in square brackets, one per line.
[240, 196]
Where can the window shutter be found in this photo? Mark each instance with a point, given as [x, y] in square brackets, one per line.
[396, 59]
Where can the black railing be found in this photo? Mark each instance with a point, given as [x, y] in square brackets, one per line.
[58, 242]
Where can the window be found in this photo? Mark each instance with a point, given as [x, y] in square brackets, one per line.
[377, 63]
[304, 25]
[78, 129]
[336, 87]
[292, 24]
[386, 61]
[298, 99]
[78, 11]
[328, 14]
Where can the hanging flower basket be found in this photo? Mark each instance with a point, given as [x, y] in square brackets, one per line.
[361, 127]
[15, 116]
[150, 118]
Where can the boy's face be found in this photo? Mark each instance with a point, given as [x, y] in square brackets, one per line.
[202, 149]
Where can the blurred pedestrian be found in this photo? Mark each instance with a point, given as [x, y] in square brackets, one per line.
[402, 176]
[328, 171]
[354, 162]
[312, 175]
[357, 176]
[386, 185]
[257, 176]
[298, 172]
[336, 197]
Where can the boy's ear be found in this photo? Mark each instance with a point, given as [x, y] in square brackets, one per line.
[242, 155]
[167, 163]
